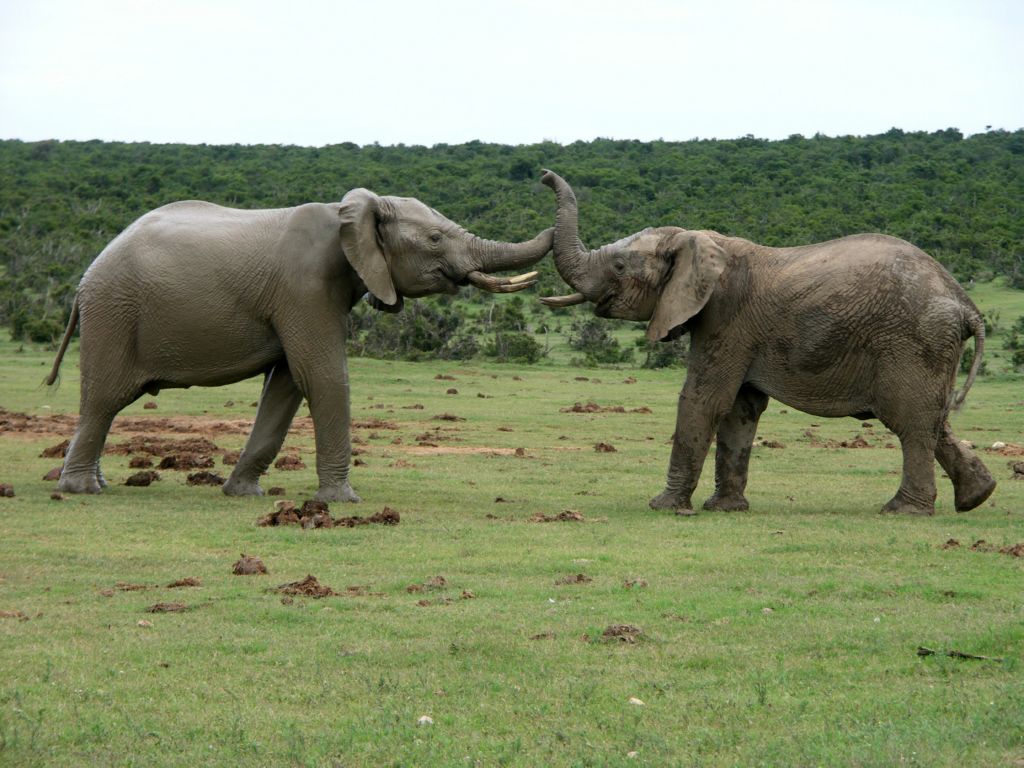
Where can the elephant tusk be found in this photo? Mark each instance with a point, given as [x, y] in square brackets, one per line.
[502, 284]
[523, 278]
[563, 301]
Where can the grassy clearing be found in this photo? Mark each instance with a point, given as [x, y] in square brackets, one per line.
[781, 636]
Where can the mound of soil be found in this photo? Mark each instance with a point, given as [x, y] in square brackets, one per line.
[140, 462]
[248, 565]
[167, 608]
[289, 463]
[308, 587]
[1017, 467]
[448, 417]
[188, 581]
[374, 424]
[7, 490]
[444, 377]
[19, 615]
[183, 462]
[605, 448]
[54, 451]
[624, 633]
[437, 582]
[316, 514]
[54, 474]
[142, 479]
[592, 407]
[163, 446]
[204, 478]
[565, 516]
[577, 578]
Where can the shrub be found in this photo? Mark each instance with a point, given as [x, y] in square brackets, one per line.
[591, 337]
[514, 348]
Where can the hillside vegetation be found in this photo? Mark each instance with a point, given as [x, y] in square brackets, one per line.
[958, 198]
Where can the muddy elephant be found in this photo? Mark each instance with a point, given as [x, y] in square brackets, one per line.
[195, 294]
[867, 326]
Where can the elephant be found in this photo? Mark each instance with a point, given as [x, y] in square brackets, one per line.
[196, 294]
[867, 326]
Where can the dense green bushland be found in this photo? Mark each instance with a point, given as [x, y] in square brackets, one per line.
[961, 199]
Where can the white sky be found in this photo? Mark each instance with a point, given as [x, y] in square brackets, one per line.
[315, 72]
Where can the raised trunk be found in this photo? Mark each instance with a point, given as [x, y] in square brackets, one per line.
[495, 256]
[573, 261]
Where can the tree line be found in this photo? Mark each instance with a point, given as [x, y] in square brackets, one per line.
[959, 198]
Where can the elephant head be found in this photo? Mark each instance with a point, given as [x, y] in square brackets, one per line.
[401, 247]
[662, 274]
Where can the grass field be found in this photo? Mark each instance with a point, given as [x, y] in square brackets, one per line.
[782, 636]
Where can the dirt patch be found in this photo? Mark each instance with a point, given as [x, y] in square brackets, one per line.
[435, 583]
[142, 479]
[605, 448]
[771, 444]
[448, 417]
[163, 446]
[248, 565]
[140, 462]
[289, 463]
[413, 407]
[1006, 449]
[54, 451]
[592, 407]
[565, 516]
[575, 578]
[183, 462]
[1013, 550]
[452, 391]
[623, 633]
[316, 514]
[444, 377]
[54, 474]
[1017, 468]
[6, 490]
[374, 424]
[204, 478]
[635, 583]
[816, 442]
[549, 635]
[951, 544]
[167, 608]
[188, 581]
[307, 587]
[19, 615]
[230, 458]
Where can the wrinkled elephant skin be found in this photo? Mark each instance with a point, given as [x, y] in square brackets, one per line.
[194, 294]
[867, 326]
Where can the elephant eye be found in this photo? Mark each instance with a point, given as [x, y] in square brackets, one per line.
[619, 267]
[435, 237]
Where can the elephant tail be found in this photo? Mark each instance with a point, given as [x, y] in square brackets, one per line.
[68, 332]
[976, 325]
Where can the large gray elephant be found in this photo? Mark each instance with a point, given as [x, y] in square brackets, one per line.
[867, 326]
[196, 294]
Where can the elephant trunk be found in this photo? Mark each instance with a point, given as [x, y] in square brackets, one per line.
[494, 256]
[573, 261]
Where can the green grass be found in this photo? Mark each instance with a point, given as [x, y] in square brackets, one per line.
[782, 636]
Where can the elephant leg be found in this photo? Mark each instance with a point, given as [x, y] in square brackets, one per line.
[972, 483]
[696, 421]
[278, 403]
[736, 434]
[916, 494]
[330, 408]
[81, 472]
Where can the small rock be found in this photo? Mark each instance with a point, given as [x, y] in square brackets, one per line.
[425, 720]
[150, 406]
[998, 445]
[452, 391]
[635, 701]
[144, 623]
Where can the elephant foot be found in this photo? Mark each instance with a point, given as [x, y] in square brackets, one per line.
[340, 493]
[86, 483]
[727, 503]
[899, 506]
[235, 486]
[974, 493]
[680, 504]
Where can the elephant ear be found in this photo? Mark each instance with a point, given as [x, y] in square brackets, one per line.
[358, 216]
[697, 263]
